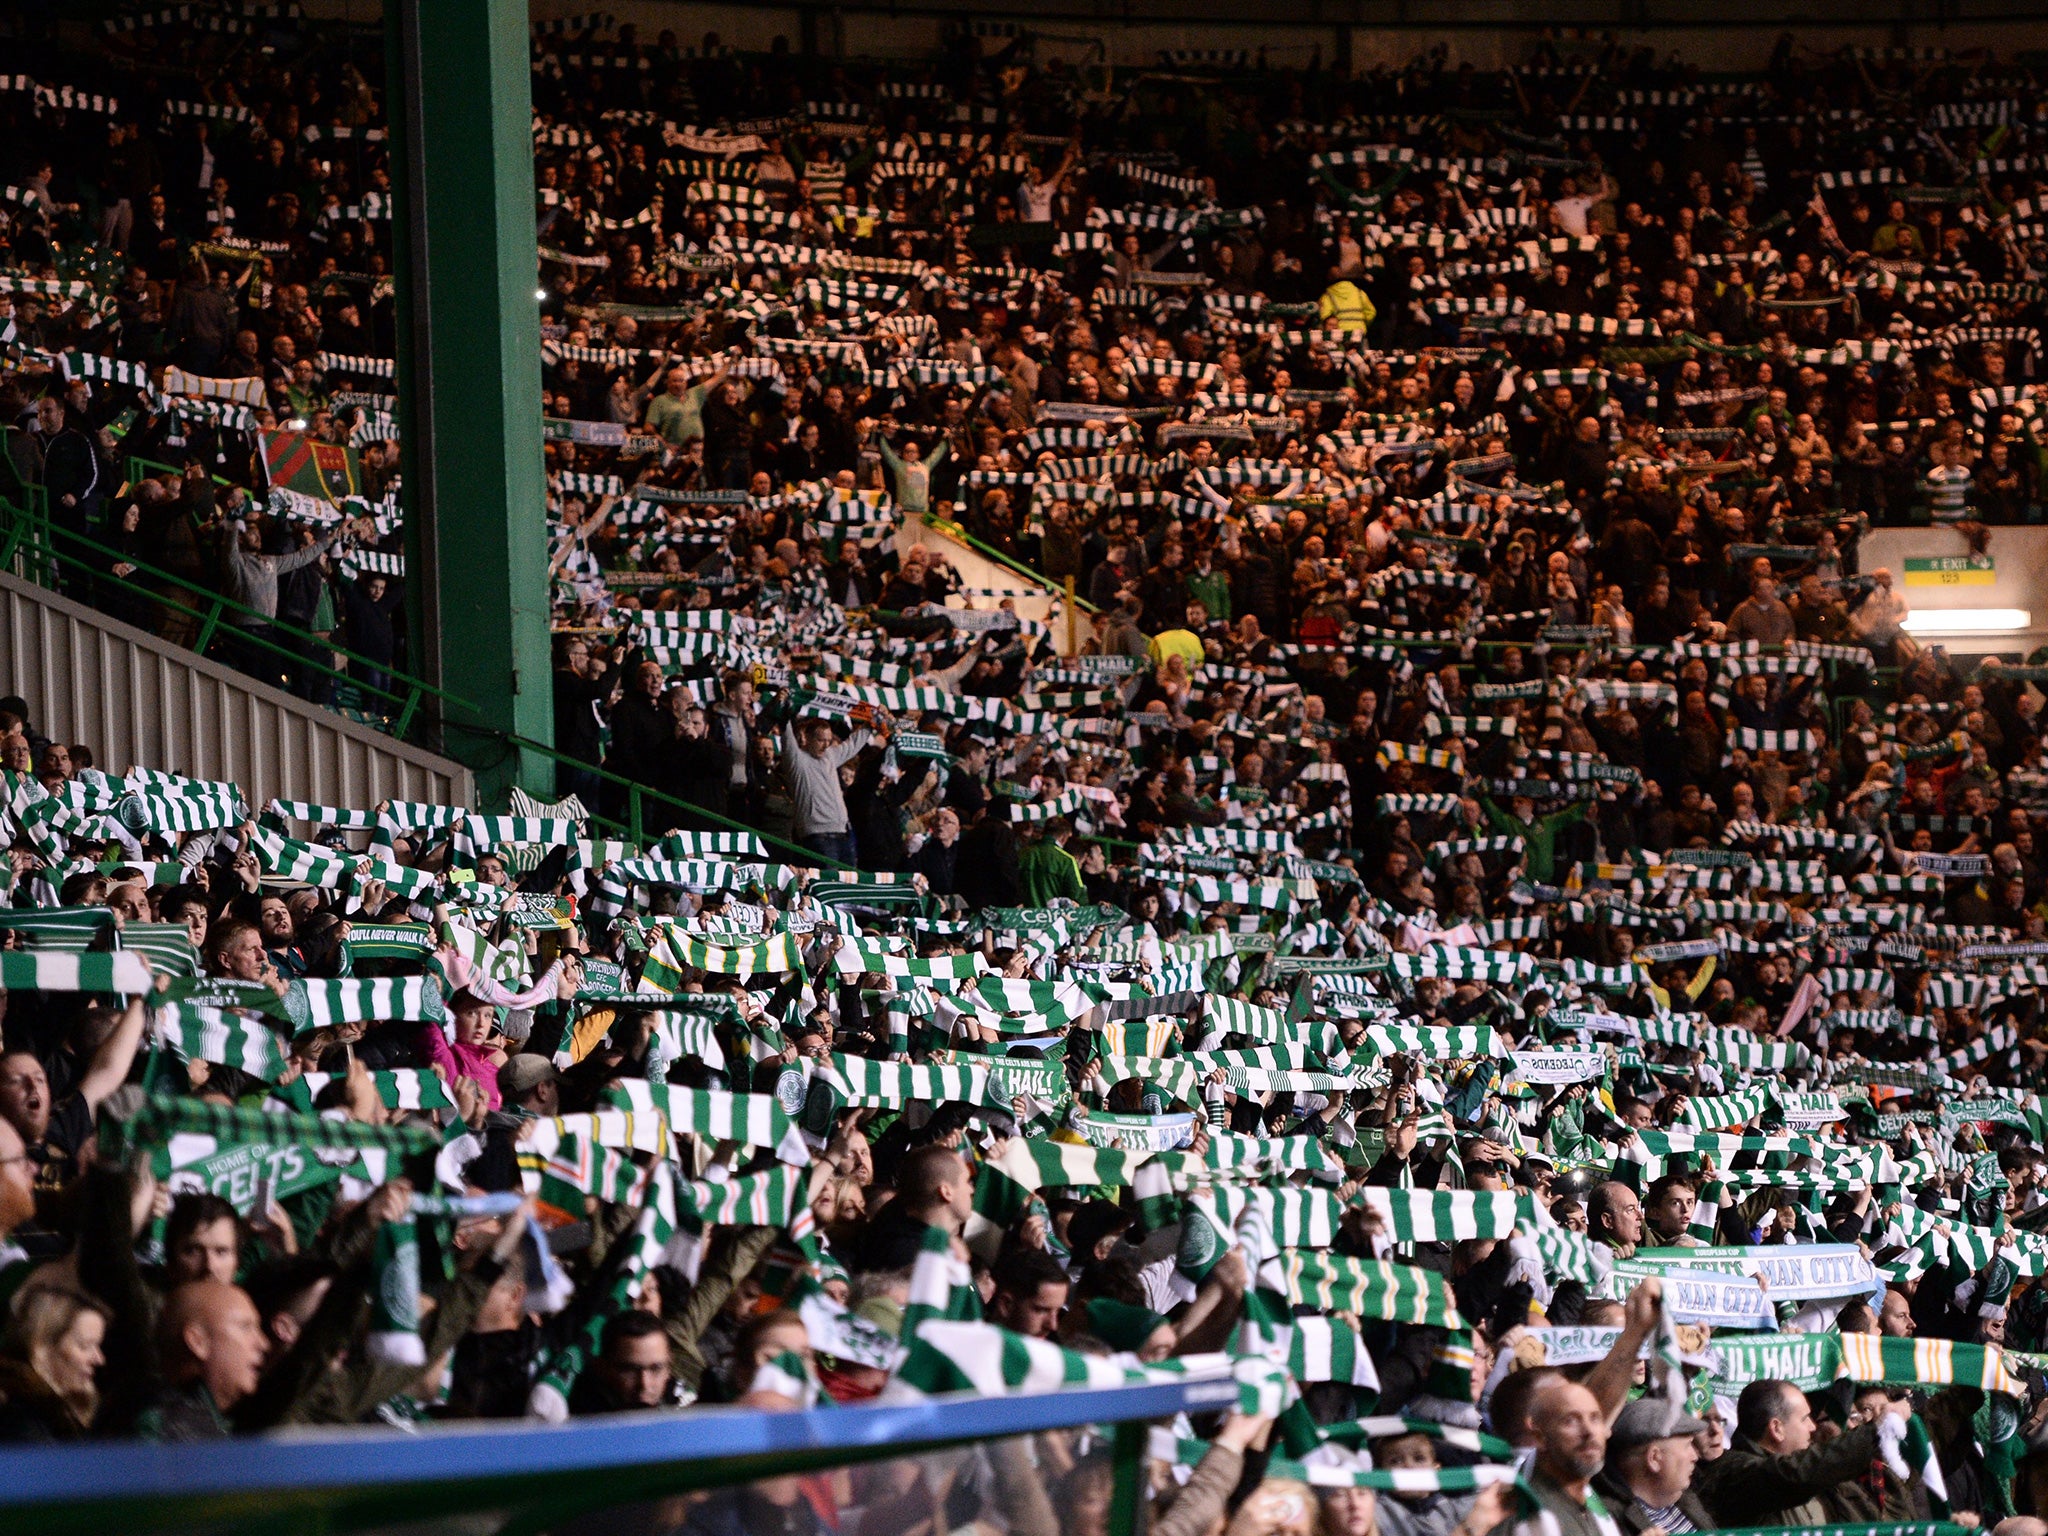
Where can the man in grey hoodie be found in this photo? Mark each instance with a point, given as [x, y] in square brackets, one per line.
[810, 762]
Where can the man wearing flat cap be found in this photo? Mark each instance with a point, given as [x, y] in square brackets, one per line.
[1647, 1482]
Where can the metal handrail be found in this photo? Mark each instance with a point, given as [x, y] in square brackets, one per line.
[954, 530]
[24, 536]
[136, 460]
[42, 533]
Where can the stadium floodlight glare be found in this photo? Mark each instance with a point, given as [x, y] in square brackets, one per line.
[1967, 621]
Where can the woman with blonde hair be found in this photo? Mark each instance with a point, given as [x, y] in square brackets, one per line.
[49, 1365]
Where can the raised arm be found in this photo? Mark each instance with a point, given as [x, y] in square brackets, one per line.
[110, 1064]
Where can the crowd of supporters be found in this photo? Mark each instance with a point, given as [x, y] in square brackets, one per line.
[1494, 836]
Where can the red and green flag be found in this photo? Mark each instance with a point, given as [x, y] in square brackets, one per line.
[297, 462]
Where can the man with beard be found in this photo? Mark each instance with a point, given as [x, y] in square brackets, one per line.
[1571, 1445]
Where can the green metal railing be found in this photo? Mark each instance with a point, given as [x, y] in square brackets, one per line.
[953, 530]
[142, 469]
[53, 556]
[50, 555]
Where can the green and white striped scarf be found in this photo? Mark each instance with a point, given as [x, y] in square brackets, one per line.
[980, 1358]
[402, 818]
[1357, 1434]
[671, 954]
[751, 1119]
[503, 963]
[857, 955]
[1296, 1218]
[307, 863]
[1231, 1153]
[161, 1118]
[1569, 1255]
[189, 805]
[1814, 1361]
[579, 1170]
[1490, 965]
[168, 945]
[709, 845]
[398, 879]
[941, 1286]
[1050, 1005]
[1447, 1215]
[389, 941]
[30, 971]
[1133, 1133]
[617, 882]
[472, 835]
[1718, 1114]
[49, 825]
[770, 1198]
[1323, 1349]
[863, 1083]
[1005, 1185]
[678, 1036]
[1457, 1042]
[619, 1129]
[1743, 1052]
[341, 817]
[197, 1033]
[322, 1004]
[397, 1087]
[57, 928]
[1368, 1288]
[1563, 1065]
[1229, 1015]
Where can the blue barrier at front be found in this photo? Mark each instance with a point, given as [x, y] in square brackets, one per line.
[516, 1475]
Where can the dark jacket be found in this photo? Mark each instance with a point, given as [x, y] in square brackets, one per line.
[733, 1256]
[371, 631]
[642, 733]
[700, 772]
[742, 1512]
[938, 864]
[1633, 1515]
[71, 467]
[1746, 1486]
[31, 1412]
[579, 715]
[491, 1375]
[181, 1414]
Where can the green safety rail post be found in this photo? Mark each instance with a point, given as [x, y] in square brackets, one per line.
[1127, 1485]
[25, 538]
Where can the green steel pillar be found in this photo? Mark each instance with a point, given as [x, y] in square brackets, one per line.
[460, 105]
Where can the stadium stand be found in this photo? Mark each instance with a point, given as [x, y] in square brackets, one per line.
[1500, 905]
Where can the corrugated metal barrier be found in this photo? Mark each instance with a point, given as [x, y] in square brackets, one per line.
[136, 699]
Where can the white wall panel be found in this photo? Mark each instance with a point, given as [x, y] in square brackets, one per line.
[135, 699]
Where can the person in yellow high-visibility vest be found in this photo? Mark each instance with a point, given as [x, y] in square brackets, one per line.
[1177, 642]
[1344, 305]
